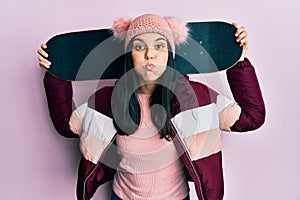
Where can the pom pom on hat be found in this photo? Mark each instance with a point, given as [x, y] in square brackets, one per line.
[179, 29]
[120, 27]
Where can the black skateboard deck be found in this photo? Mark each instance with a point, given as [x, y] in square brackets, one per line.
[96, 54]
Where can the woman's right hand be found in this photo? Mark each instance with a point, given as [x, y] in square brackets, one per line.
[44, 63]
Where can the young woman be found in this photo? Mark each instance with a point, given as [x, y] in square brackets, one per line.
[155, 130]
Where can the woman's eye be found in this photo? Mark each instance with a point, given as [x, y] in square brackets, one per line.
[139, 47]
[160, 46]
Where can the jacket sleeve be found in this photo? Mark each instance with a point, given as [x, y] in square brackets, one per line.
[246, 91]
[59, 95]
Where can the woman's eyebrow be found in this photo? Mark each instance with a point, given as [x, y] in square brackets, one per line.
[138, 39]
[160, 39]
[141, 40]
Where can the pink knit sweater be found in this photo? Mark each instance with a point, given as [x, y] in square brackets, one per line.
[150, 168]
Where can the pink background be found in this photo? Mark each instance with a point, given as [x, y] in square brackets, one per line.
[36, 163]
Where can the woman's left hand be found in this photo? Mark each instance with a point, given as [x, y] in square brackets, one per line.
[242, 38]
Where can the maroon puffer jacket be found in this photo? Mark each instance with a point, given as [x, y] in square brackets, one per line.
[206, 172]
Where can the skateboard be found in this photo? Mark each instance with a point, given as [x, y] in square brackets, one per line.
[96, 54]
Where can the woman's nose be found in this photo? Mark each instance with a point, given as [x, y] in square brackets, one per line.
[150, 53]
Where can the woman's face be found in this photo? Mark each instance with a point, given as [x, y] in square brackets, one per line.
[150, 56]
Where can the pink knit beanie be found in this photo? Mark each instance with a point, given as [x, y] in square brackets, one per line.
[174, 30]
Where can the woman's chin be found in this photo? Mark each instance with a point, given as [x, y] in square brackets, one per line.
[150, 78]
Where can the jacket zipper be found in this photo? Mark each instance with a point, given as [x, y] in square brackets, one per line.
[84, 183]
[190, 161]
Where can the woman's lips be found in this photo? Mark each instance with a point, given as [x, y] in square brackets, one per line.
[149, 66]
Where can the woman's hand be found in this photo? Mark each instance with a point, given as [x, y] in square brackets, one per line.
[44, 63]
[242, 38]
